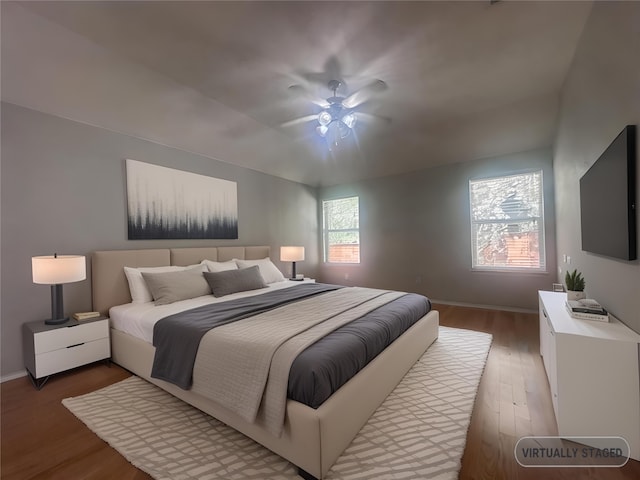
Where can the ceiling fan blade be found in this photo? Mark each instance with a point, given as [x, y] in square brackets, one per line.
[304, 93]
[298, 121]
[364, 94]
[370, 118]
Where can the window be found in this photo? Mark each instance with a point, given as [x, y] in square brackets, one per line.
[507, 222]
[341, 230]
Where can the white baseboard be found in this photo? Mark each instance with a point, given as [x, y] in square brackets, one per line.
[486, 307]
[13, 376]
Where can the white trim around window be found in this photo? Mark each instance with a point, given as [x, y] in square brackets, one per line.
[341, 230]
[507, 223]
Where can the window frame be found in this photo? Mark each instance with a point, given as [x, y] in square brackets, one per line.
[542, 251]
[326, 232]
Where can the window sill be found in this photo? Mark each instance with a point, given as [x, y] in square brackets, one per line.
[519, 271]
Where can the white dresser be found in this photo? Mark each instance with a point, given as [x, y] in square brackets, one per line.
[594, 373]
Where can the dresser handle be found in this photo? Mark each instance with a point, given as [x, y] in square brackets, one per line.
[76, 345]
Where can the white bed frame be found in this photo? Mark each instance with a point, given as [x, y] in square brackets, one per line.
[313, 439]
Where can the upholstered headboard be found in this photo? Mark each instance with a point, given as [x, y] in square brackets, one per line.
[109, 283]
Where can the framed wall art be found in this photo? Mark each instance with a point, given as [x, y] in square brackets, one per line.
[166, 203]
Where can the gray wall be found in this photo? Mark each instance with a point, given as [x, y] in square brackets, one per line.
[601, 95]
[415, 235]
[63, 190]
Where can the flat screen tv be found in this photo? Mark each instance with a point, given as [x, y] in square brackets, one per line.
[608, 200]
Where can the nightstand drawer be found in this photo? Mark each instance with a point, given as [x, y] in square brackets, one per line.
[60, 338]
[66, 358]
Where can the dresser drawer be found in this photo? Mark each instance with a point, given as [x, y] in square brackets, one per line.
[60, 338]
[70, 357]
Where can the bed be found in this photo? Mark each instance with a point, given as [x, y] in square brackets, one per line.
[312, 438]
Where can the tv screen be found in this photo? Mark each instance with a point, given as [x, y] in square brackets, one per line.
[607, 200]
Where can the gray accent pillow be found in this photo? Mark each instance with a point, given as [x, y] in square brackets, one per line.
[233, 281]
[170, 287]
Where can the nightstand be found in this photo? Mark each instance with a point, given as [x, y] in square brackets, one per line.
[50, 349]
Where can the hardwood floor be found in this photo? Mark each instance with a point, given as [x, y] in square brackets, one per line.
[41, 439]
[513, 401]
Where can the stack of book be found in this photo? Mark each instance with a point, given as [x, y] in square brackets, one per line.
[80, 316]
[587, 309]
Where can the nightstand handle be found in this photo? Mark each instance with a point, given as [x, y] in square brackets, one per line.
[76, 345]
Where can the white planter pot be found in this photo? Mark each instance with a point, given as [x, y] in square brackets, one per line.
[572, 295]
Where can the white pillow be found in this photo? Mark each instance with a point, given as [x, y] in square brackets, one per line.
[220, 266]
[268, 270]
[140, 293]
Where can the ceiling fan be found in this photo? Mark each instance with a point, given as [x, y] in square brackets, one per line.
[339, 114]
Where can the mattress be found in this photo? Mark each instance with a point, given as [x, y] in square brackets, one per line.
[323, 367]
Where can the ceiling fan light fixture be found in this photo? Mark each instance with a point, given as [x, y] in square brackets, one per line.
[349, 119]
[322, 130]
[324, 118]
[338, 114]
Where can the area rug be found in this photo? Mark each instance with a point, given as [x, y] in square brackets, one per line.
[418, 432]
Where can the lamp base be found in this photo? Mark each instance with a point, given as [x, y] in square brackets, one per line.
[56, 321]
[296, 279]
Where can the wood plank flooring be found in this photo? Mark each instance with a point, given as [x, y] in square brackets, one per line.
[41, 439]
[513, 401]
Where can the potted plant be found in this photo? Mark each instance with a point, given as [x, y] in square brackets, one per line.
[575, 285]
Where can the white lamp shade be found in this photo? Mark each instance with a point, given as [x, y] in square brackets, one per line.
[53, 270]
[291, 254]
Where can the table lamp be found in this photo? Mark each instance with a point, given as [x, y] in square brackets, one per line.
[56, 270]
[293, 255]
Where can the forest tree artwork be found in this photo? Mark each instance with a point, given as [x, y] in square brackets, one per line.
[167, 203]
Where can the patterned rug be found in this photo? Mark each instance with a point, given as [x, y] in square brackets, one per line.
[418, 432]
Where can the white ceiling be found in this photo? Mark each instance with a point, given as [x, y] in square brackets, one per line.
[466, 80]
